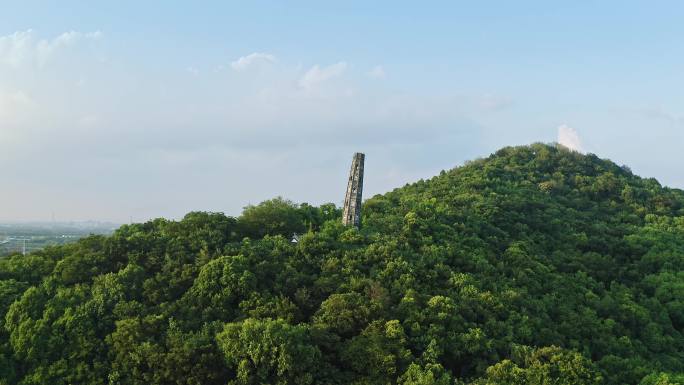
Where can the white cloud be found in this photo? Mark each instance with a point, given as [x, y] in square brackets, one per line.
[93, 35]
[46, 48]
[317, 75]
[568, 137]
[245, 61]
[377, 72]
[192, 71]
[21, 47]
[15, 48]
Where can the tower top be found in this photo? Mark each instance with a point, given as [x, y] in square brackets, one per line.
[351, 214]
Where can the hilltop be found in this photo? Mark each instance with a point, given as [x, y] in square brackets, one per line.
[534, 265]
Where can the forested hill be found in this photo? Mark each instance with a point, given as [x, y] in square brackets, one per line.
[536, 265]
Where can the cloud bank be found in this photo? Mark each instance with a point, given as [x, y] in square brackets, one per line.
[22, 48]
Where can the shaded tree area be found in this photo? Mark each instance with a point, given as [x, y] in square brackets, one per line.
[536, 265]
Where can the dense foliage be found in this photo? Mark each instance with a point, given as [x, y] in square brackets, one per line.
[537, 265]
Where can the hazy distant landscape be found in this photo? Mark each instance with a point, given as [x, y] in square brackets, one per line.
[32, 236]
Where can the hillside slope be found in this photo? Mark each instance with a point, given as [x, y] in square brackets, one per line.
[534, 265]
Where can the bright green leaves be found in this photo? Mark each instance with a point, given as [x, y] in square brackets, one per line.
[663, 379]
[544, 366]
[269, 351]
[344, 314]
[219, 288]
[378, 353]
[154, 350]
[430, 374]
[273, 217]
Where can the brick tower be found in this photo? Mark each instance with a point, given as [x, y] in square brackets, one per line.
[351, 215]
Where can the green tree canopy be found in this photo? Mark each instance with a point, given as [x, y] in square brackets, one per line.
[535, 265]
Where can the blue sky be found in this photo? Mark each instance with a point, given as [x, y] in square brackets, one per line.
[121, 109]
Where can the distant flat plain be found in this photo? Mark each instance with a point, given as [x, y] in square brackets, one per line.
[25, 237]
